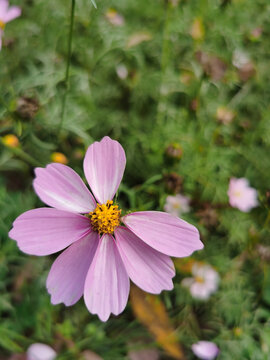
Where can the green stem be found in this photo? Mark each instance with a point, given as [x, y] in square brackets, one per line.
[66, 83]
[165, 54]
[24, 156]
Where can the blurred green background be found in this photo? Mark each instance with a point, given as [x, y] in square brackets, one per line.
[153, 75]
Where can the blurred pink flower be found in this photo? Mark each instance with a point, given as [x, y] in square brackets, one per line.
[39, 351]
[205, 350]
[177, 205]
[241, 195]
[114, 18]
[6, 15]
[102, 255]
[204, 281]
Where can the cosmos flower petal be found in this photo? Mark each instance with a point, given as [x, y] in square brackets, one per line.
[149, 269]
[3, 7]
[200, 291]
[104, 165]
[40, 351]
[107, 284]
[61, 187]
[45, 231]
[12, 13]
[205, 350]
[164, 232]
[65, 282]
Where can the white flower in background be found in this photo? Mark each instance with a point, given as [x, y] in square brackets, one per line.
[205, 350]
[177, 205]
[40, 352]
[122, 71]
[240, 59]
[204, 281]
[241, 195]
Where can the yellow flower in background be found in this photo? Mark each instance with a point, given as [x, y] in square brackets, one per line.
[59, 158]
[197, 29]
[10, 140]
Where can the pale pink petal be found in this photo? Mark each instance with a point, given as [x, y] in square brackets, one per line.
[40, 351]
[164, 232]
[45, 231]
[200, 291]
[3, 8]
[61, 187]
[205, 350]
[149, 269]
[104, 165]
[187, 282]
[107, 284]
[66, 279]
[12, 13]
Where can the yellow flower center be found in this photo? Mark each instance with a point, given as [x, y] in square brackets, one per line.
[2, 25]
[199, 279]
[105, 218]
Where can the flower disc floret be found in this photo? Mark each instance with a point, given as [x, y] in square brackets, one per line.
[105, 218]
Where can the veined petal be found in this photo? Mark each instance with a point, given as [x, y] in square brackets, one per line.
[149, 269]
[104, 165]
[164, 232]
[65, 282]
[107, 284]
[45, 231]
[61, 187]
[12, 13]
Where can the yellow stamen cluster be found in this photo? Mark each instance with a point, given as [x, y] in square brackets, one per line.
[199, 279]
[105, 218]
[2, 25]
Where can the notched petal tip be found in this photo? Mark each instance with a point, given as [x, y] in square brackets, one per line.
[104, 166]
[166, 233]
[59, 186]
[106, 287]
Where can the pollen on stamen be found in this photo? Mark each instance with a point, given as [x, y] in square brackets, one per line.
[105, 218]
[2, 25]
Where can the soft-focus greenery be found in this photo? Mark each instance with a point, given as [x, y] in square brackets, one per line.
[180, 71]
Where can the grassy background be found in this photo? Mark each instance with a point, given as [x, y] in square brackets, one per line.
[170, 95]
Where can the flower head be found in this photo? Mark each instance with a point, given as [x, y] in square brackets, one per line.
[177, 205]
[204, 281]
[241, 195]
[39, 351]
[10, 141]
[205, 350]
[6, 15]
[59, 158]
[104, 249]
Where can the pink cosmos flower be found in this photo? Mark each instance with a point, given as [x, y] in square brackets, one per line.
[205, 350]
[101, 253]
[204, 282]
[241, 195]
[6, 15]
[177, 205]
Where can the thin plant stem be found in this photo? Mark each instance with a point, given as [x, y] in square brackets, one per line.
[66, 83]
[24, 156]
[165, 54]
